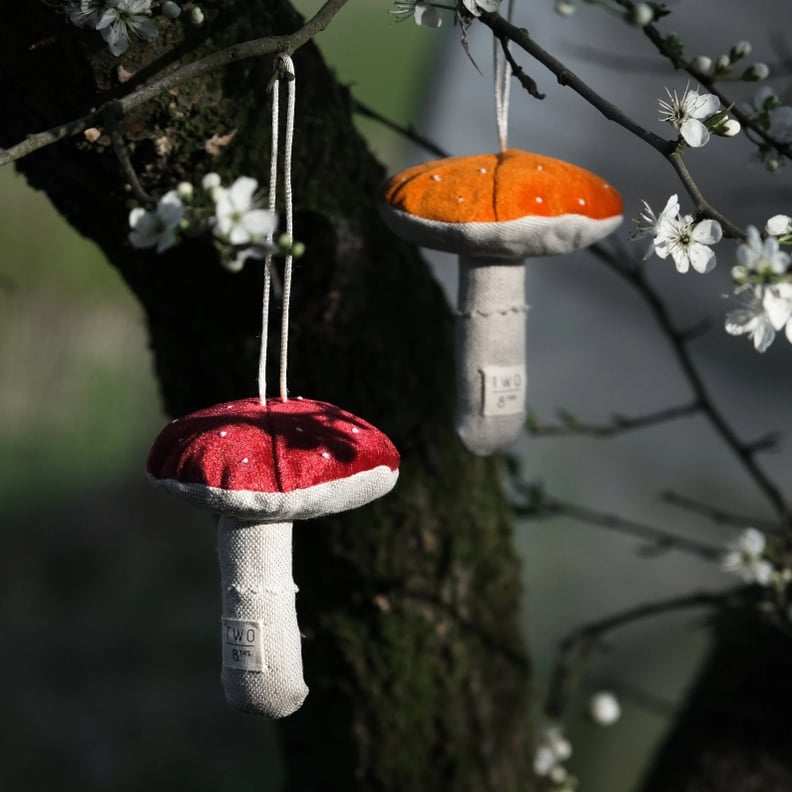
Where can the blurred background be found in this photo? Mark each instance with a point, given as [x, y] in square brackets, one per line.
[109, 587]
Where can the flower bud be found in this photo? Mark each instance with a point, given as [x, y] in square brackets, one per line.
[197, 16]
[721, 124]
[565, 8]
[185, 191]
[640, 14]
[701, 64]
[604, 708]
[756, 72]
[723, 64]
[740, 50]
[210, 181]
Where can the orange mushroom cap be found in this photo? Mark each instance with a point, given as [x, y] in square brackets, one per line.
[511, 205]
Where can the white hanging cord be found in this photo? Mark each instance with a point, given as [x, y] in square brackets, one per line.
[503, 72]
[288, 67]
[273, 186]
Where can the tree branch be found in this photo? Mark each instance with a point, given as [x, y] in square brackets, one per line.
[250, 49]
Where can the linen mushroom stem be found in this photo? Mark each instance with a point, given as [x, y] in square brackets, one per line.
[490, 352]
[494, 210]
[262, 654]
[261, 466]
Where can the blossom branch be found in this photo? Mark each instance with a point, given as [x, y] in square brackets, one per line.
[570, 425]
[678, 62]
[576, 649]
[287, 44]
[744, 452]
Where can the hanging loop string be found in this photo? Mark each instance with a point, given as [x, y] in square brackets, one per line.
[271, 196]
[288, 68]
[285, 65]
[503, 73]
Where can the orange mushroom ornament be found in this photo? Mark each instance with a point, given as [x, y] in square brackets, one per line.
[494, 210]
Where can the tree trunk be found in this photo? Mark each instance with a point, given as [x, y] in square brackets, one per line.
[409, 607]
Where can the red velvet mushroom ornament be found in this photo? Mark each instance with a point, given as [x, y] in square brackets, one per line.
[494, 210]
[261, 466]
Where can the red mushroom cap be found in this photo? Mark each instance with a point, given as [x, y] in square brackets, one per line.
[508, 205]
[284, 461]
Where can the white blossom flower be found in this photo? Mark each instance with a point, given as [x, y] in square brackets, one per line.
[779, 225]
[777, 304]
[687, 242]
[751, 320]
[424, 14]
[475, 7]
[120, 17]
[648, 222]
[157, 228]
[552, 749]
[238, 217]
[85, 13]
[744, 558]
[686, 113]
[564, 8]
[763, 257]
[604, 708]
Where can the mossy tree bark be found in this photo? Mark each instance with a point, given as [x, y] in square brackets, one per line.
[409, 607]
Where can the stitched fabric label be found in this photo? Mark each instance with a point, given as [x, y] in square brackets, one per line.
[504, 390]
[242, 645]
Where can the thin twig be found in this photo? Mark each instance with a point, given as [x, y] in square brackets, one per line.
[703, 206]
[744, 452]
[526, 81]
[571, 426]
[717, 515]
[658, 540]
[406, 132]
[576, 649]
[250, 49]
[122, 155]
